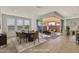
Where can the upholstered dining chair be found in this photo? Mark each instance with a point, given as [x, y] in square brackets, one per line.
[21, 36]
[36, 36]
[24, 37]
[18, 36]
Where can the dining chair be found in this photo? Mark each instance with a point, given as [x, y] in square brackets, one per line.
[36, 36]
[25, 37]
[18, 36]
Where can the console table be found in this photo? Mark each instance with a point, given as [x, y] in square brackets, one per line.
[3, 39]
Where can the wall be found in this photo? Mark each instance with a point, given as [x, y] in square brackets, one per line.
[0, 22]
[73, 23]
[5, 27]
[33, 23]
[26, 12]
[18, 13]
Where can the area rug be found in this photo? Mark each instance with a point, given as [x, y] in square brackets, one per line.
[52, 37]
[25, 46]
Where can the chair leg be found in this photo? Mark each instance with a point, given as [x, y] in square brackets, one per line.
[34, 42]
[25, 40]
[78, 42]
[17, 39]
[38, 39]
[20, 41]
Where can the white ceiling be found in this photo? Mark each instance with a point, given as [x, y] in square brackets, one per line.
[29, 11]
[66, 11]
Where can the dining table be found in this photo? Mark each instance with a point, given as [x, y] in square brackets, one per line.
[30, 36]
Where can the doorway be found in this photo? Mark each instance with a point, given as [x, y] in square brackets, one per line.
[50, 23]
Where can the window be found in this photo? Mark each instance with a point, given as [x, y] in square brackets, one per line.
[19, 24]
[27, 24]
[11, 23]
[14, 23]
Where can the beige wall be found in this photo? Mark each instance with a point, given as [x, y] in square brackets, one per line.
[73, 23]
[0, 22]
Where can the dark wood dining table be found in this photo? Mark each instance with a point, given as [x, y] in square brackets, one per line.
[30, 36]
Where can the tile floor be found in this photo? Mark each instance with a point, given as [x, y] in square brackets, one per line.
[61, 44]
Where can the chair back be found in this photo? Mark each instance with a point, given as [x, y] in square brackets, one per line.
[17, 34]
[36, 35]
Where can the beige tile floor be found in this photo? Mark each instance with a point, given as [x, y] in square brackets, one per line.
[60, 44]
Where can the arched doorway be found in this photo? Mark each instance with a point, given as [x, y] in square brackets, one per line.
[50, 23]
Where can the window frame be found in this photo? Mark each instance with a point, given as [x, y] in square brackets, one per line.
[5, 16]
